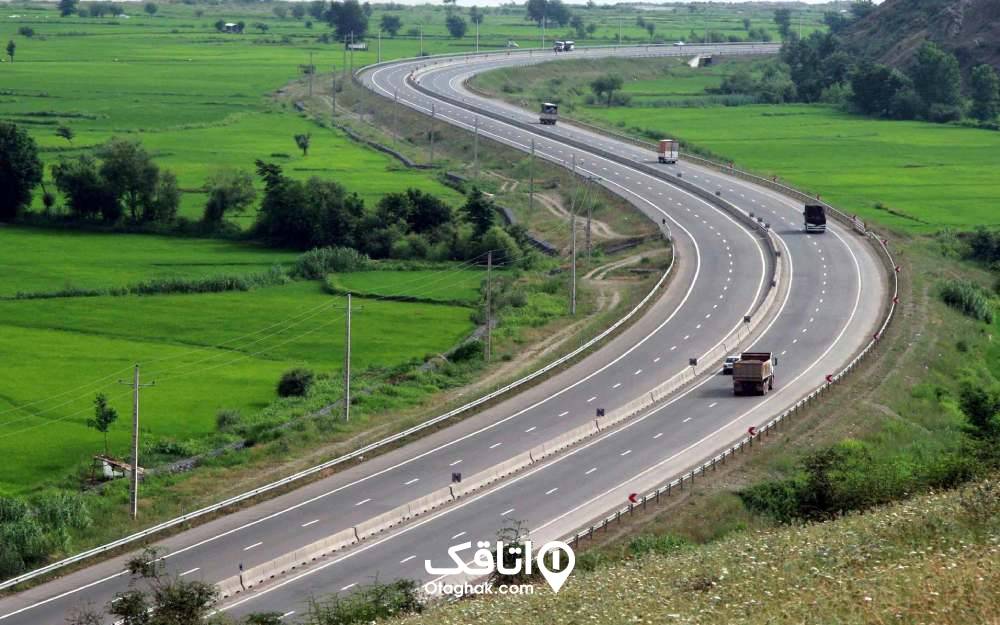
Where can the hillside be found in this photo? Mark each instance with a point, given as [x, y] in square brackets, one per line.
[893, 32]
[934, 559]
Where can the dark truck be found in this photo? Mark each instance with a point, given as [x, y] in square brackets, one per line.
[815, 217]
[753, 373]
[549, 114]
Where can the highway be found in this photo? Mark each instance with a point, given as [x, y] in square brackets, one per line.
[833, 299]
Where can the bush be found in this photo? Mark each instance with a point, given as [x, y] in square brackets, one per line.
[295, 383]
[969, 298]
[944, 113]
[227, 420]
[470, 350]
[318, 262]
[656, 543]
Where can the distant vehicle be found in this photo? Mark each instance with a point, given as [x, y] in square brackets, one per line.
[727, 364]
[550, 114]
[569, 46]
[753, 373]
[512, 44]
[678, 43]
[814, 216]
[357, 45]
[668, 151]
[559, 46]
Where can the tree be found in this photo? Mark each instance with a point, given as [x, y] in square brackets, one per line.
[391, 24]
[302, 140]
[228, 192]
[151, 8]
[591, 28]
[104, 416]
[262, 27]
[479, 211]
[875, 86]
[20, 170]
[936, 76]
[11, 48]
[67, 7]
[605, 86]
[650, 28]
[220, 25]
[746, 24]
[130, 174]
[982, 408]
[985, 92]
[549, 11]
[88, 195]
[162, 207]
[783, 18]
[295, 382]
[317, 9]
[298, 10]
[280, 11]
[861, 8]
[65, 132]
[476, 15]
[456, 26]
[348, 19]
[576, 23]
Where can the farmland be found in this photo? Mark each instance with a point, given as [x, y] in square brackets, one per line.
[938, 175]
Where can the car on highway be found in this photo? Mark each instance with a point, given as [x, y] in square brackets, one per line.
[679, 43]
[727, 364]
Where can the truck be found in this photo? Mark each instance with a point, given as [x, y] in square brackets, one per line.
[668, 151]
[815, 217]
[569, 46]
[549, 114]
[559, 46]
[753, 373]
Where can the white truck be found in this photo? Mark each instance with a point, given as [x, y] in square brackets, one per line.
[668, 151]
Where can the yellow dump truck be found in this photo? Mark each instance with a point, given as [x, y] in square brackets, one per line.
[753, 373]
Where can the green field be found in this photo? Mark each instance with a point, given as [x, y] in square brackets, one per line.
[207, 352]
[458, 285]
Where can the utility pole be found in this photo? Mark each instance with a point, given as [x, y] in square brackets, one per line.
[477, 35]
[352, 51]
[475, 149]
[380, 46]
[345, 59]
[572, 299]
[590, 215]
[347, 364]
[488, 344]
[531, 179]
[421, 40]
[395, 116]
[333, 93]
[619, 30]
[312, 70]
[433, 118]
[134, 487]
[543, 31]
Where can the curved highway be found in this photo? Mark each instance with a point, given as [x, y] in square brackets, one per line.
[834, 296]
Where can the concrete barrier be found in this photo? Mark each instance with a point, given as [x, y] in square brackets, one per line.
[382, 522]
[229, 587]
[429, 502]
[557, 444]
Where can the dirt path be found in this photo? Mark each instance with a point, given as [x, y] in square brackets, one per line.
[598, 228]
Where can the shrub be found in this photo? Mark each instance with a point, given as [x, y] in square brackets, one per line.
[968, 298]
[227, 420]
[656, 543]
[469, 350]
[318, 262]
[295, 382]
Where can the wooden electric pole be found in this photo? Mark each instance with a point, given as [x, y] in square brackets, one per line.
[134, 486]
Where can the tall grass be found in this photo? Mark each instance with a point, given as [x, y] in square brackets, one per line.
[969, 298]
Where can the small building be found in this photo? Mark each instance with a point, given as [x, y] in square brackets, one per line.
[230, 27]
[112, 469]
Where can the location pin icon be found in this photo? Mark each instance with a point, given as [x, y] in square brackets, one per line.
[556, 578]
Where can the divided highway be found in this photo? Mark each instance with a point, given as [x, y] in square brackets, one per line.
[834, 298]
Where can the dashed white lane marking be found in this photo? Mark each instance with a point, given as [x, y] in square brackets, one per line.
[564, 413]
[551, 490]
[308, 523]
[673, 348]
[616, 385]
[495, 445]
[363, 501]
[637, 372]
[506, 512]
[531, 429]
[257, 544]
[784, 352]
[592, 399]
[658, 435]
[194, 570]
[713, 404]
[590, 471]
[458, 535]
[459, 461]
[657, 359]
[406, 559]
[287, 614]
[348, 587]
[687, 336]
[626, 452]
[686, 420]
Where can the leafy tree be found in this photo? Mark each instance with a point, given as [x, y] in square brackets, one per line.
[11, 49]
[220, 25]
[317, 9]
[476, 15]
[985, 93]
[262, 27]
[348, 19]
[228, 192]
[20, 170]
[391, 24]
[591, 28]
[130, 174]
[783, 18]
[650, 28]
[151, 8]
[456, 26]
[746, 24]
[162, 207]
[298, 10]
[862, 8]
[80, 181]
[280, 11]
[264, 618]
[104, 416]
[67, 7]
[479, 211]
[241, 26]
[576, 23]
[605, 86]
[302, 141]
[65, 132]
[982, 408]
[875, 86]
[26, 31]
[936, 76]
[815, 63]
[549, 11]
